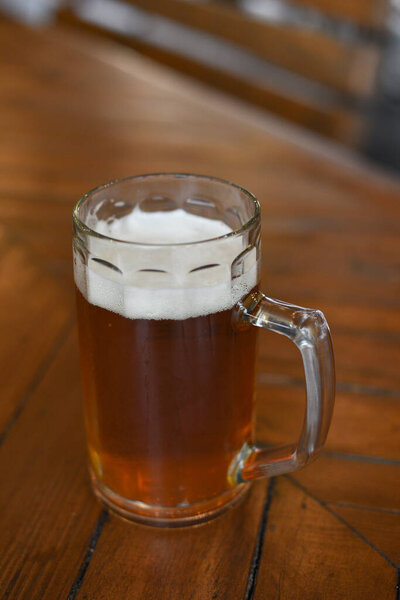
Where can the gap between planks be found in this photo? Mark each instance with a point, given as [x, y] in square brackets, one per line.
[38, 376]
[259, 544]
[94, 538]
[327, 506]
[341, 386]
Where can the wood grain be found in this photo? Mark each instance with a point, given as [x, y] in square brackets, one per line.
[47, 509]
[302, 560]
[366, 483]
[31, 297]
[362, 425]
[379, 527]
[77, 112]
[41, 228]
[356, 355]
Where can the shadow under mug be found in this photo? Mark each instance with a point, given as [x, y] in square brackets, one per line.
[168, 337]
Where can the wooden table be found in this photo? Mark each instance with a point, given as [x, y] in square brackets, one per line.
[76, 112]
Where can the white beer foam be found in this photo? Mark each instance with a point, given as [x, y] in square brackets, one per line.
[175, 291]
[162, 227]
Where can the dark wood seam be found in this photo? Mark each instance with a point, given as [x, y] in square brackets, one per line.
[341, 386]
[339, 518]
[37, 378]
[377, 460]
[259, 543]
[392, 511]
[94, 538]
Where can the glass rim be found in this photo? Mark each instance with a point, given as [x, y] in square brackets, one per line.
[89, 231]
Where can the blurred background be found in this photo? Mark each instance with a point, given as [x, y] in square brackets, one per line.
[330, 66]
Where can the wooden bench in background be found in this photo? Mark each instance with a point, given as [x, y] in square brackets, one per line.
[313, 62]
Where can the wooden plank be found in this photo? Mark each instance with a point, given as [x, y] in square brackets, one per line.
[363, 266]
[363, 12]
[329, 201]
[32, 218]
[304, 227]
[278, 356]
[208, 561]
[333, 119]
[36, 310]
[378, 321]
[355, 352]
[344, 67]
[361, 425]
[366, 483]
[308, 553]
[147, 135]
[47, 512]
[289, 219]
[382, 529]
[356, 262]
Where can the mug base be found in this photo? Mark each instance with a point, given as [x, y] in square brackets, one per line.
[168, 516]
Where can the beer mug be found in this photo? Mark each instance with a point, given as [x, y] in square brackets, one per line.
[167, 271]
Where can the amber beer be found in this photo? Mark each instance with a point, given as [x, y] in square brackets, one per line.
[167, 271]
[168, 403]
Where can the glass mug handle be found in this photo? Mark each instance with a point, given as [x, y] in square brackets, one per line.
[308, 329]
